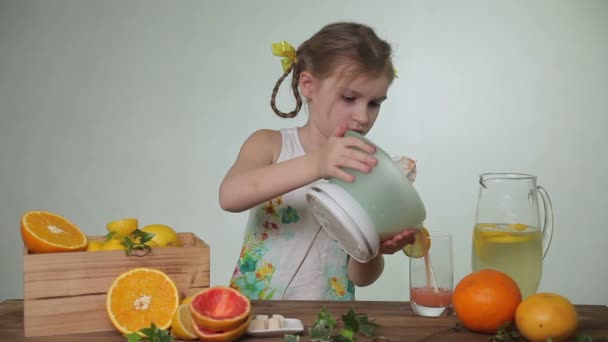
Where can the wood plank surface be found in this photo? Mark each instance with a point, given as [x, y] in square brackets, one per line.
[398, 322]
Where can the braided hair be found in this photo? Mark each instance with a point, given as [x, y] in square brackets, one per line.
[333, 45]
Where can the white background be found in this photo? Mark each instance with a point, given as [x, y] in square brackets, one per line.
[112, 109]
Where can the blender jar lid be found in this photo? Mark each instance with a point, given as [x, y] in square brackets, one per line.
[344, 220]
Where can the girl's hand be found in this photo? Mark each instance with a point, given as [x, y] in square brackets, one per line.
[398, 241]
[349, 152]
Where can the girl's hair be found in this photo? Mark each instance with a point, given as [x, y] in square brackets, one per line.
[334, 45]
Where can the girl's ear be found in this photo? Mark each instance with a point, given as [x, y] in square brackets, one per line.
[306, 83]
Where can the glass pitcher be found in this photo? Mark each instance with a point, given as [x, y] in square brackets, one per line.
[507, 235]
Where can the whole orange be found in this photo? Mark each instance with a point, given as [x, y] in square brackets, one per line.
[485, 300]
[546, 315]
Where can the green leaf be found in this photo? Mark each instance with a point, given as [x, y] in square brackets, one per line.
[327, 317]
[583, 338]
[152, 334]
[127, 242]
[133, 337]
[142, 236]
[109, 236]
[341, 338]
[292, 338]
[147, 237]
[366, 327]
[346, 334]
[320, 332]
[350, 320]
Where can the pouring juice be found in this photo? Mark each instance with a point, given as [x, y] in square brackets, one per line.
[514, 249]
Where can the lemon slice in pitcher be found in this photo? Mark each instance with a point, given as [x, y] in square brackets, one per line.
[420, 247]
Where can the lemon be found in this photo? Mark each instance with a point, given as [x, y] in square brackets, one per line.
[420, 247]
[164, 236]
[181, 324]
[113, 245]
[518, 226]
[94, 246]
[123, 227]
[186, 300]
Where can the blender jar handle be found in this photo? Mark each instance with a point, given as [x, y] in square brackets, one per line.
[548, 221]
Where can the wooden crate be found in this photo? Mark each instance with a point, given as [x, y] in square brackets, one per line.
[65, 293]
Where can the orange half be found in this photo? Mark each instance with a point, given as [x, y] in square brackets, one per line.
[139, 297]
[46, 232]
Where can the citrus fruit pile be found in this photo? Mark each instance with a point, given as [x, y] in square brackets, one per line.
[47, 232]
[125, 232]
[143, 296]
[487, 300]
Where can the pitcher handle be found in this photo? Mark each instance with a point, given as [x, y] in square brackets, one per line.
[548, 222]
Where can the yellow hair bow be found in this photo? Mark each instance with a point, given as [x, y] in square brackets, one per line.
[285, 50]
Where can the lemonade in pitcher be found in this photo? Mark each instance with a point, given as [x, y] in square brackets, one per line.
[515, 249]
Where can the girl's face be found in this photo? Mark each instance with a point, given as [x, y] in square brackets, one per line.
[336, 100]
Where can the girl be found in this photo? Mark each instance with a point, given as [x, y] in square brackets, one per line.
[343, 72]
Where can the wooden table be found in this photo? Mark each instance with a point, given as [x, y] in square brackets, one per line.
[398, 322]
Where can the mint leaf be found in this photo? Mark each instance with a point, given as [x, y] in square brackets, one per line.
[143, 236]
[366, 327]
[353, 323]
[127, 242]
[346, 334]
[109, 236]
[327, 317]
[341, 338]
[133, 337]
[320, 332]
[350, 321]
[151, 334]
[292, 338]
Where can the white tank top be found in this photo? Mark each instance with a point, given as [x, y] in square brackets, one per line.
[286, 254]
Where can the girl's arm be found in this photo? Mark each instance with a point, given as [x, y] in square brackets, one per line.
[255, 178]
[363, 274]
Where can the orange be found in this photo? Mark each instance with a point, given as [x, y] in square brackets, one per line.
[45, 232]
[181, 324]
[420, 247]
[544, 316]
[222, 336]
[219, 308]
[485, 300]
[139, 297]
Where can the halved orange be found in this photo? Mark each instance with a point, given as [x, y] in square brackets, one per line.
[222, 336]
[46, 232]
[420, 247]
[139, 297]
[219, 308]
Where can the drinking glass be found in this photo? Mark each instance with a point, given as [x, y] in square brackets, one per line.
[431, 277]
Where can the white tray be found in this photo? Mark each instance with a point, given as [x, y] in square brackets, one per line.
[290, 326]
